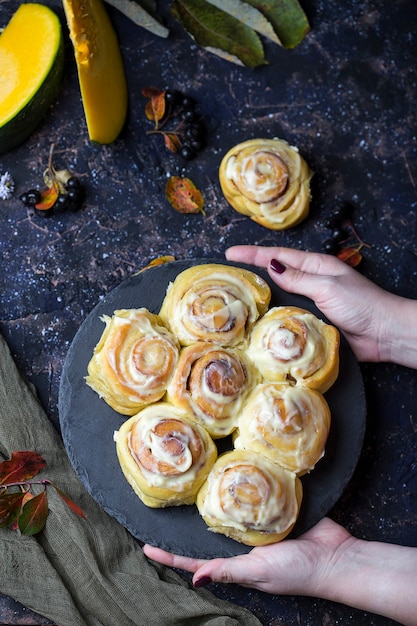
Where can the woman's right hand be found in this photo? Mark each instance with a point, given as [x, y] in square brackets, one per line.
[375, 322]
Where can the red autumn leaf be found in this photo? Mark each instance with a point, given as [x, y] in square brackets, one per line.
[21, 466]
[172, 141]
[74, 507]
[33, 516]
[184, 196]
[351, 256]
[48, 198]
[10, 504]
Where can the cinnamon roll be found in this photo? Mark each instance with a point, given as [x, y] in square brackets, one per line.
[164, 455]
[290, 344]
[212, 383]
[289, 425]
[268, 180]
[133, 361]
[249, 498]
[215, 303]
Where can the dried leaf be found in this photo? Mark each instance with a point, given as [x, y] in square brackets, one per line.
[219, 32]
[21, 466]
[155, 108]
[351, 256]
[48, 198]
[184, 196]
[158, 261]
[287, 18]
[172, 141]
[144, 16]
[33, 516]
[70, 503]
[249, 15]
[26, 497]
[10, 504]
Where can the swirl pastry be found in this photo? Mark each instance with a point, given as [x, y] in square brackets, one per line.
[165, 455]
[290, 344]
[212, 382]
[134, 360]
[215, 303]
[250, 498]
[268, 180]
[288, 425]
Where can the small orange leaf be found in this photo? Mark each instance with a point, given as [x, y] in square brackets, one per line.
[172, 141]
[155, 108]
[158, 261]
[184, 196]
[351, 256]
[48, 198]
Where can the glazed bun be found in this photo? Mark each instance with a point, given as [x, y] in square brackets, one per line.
[165, 455]
[268, 180]
[250, 499]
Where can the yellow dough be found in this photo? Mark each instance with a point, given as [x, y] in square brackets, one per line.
[289, 425]
[134, 360]
[249, 498]
[212, 383]
[214, 302]
[165, 455]
[268, 180]
[290, 344]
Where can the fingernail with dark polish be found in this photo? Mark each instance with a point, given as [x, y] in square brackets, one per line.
[202, 582]
[277, 267]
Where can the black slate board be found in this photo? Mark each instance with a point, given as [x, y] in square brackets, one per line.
[88, 423]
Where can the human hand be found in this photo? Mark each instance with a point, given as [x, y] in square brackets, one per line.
[350, 301]
[294, 566]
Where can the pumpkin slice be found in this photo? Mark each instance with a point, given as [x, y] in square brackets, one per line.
[31, 61]
[100, 68]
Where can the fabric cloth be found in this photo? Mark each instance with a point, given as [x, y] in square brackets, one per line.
[86, 572]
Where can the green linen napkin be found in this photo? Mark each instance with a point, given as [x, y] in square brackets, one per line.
[88, 572]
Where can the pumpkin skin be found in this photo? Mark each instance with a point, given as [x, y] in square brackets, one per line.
[32, 62]
[100, 68]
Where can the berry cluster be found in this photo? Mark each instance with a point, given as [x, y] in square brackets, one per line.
[176, 118]
[68, 200]
[344, 241]
[339, 224]
[64, 192]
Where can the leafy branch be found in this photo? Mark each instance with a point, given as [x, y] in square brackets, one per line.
[232, 29]
[20, 508]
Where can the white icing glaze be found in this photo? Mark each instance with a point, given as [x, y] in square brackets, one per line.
[275, 508]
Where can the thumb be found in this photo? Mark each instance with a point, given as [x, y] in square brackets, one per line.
[221, 571]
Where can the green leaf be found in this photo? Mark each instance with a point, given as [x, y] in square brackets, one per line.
[219, 32]
[287, 17]
[249, 15]
[10, 504]
[140, 15]
[33, 516]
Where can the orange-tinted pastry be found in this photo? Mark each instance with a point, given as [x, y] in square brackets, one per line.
[268, 180]
[212, 383]
[214, 302]
[250, 498]
[290, 344]
[287, 424]
[134, 360]
[164, 455]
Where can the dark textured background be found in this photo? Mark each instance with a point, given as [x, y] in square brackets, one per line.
[347, 98]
